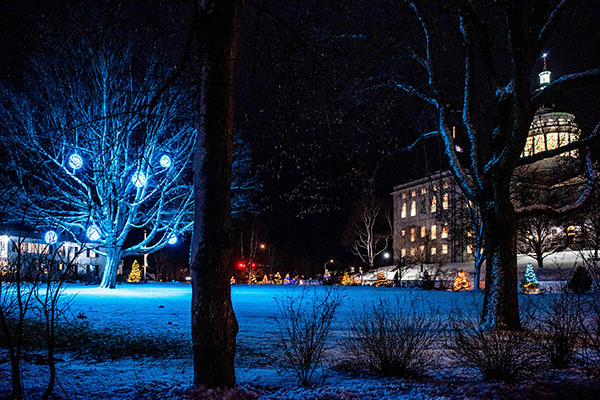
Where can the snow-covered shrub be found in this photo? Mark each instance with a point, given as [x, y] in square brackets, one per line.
[392, 338]
[499, 355]
[590, 324]
[581, 281]
[304, 321]
[556, 319]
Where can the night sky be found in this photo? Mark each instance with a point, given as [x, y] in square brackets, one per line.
[314, 99]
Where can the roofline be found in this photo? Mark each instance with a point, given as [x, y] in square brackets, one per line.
[433, 177]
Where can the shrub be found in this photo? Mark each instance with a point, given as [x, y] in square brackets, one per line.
[505, 356]
[590, 325]
[392, 339]
[557, 319]
[304, 323]
[581, 281]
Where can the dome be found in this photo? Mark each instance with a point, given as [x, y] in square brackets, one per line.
[549, 130]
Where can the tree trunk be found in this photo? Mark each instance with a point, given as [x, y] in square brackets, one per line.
[17, 385]
[539, 256]
[501, 302]
[214, 326]
[113, 258]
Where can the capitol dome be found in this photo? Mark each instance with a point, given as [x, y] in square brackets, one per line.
[549, 130]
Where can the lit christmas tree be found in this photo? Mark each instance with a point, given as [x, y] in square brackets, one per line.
[136, 274]
[232, 280]
[287, 280]
[277, 279]
[346, 279]
[381, 279]
[461, 282]
[327, 276]
[530, 284]
[252, 279]
[265, 280]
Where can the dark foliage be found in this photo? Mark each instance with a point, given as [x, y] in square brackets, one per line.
[581, 281]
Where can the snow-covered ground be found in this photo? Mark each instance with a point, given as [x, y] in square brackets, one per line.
[162, 310]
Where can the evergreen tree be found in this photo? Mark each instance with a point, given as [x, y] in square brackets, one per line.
[265, 280]
[346, 279]
[277, 279]
[461, 282]
[530, 284]
[252, 279]
[381, 279]
[581, 281]
[136, 274]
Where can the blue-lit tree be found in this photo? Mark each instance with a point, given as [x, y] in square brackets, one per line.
[112, 148]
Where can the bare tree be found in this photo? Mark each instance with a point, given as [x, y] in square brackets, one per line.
[370, 230]
[539, 237]
[106, 161]
[495, 146]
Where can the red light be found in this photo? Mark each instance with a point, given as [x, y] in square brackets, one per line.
[241, 265]
[253, 265]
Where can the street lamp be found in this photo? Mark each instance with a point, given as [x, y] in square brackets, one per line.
[262, 246]
[325, 265]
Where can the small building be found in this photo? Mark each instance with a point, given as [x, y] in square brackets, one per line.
[33, 248]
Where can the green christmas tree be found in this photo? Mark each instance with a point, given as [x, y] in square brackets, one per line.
[530, 284]
[136, 274]
[277, 279]
[327, 276]
[265, 280]
[252, 279]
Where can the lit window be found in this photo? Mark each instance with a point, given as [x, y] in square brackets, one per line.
[469, 249]
[403, 232]
[413, 193]
[403, 196]
[403, 214]
[444, 249]
[445, 231]
[403, 252]
[445, 201]
[433, 204]
[445, 185]
[423, 232]
[433, 251]
[413, 251]
[412, 234]
[434, 187]
[422, 249]
[413, 208]
[423, 190]
[433, 232]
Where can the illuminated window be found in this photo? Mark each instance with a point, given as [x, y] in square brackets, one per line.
[433, 232]
[434, 187]
[403, 232]
[60, 267]
[403, 196]
[445, 185]
[91, 254]
[433, 251]
[423, 232]
[413, 251]
[422, 249]
[469, 249]
[445, 231]
[433, 204]
[445, 201]
[423, 190]
[412, 234]
[413, 193]
[403, 214]
[403, 252]
[413, 208]
[444, 249]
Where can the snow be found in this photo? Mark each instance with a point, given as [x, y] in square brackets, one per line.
[163, 310]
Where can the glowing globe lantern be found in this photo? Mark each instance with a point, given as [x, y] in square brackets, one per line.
[138, 179]
[75, 161]
[165, 161]
[51, 237]
[172, 239]
[93, 233]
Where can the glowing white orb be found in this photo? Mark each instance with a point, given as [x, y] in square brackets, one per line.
[138, 179]
[93, 233]
[75, 161]
[165, 161]
[51, 237]
[172, 239]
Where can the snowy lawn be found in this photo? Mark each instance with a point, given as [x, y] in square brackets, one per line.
[161, 312]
